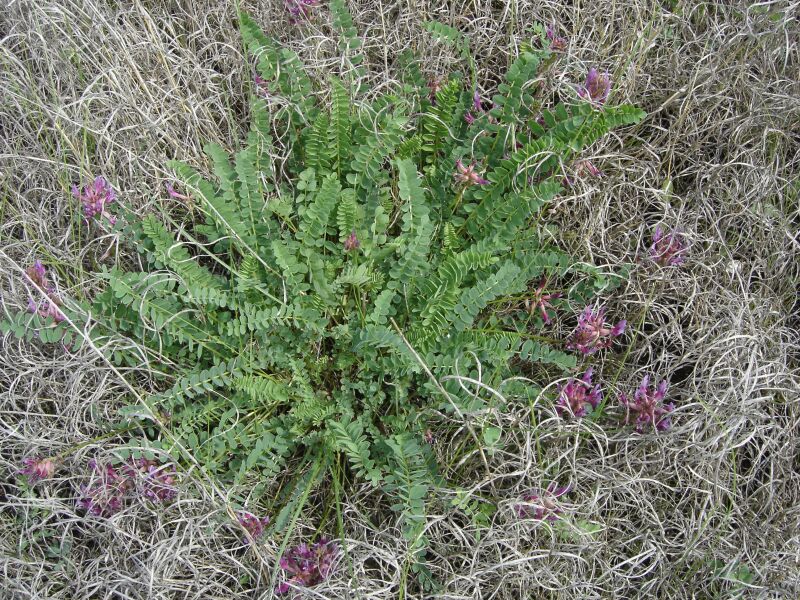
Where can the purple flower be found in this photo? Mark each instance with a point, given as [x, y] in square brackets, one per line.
[351, 243]
[300, 9]
[556, 42]
[154, 481]
[435, 85]
[95, 198]
[592, 334]
[541, 300]
[105, 495]
[262, 86]
[647, 409]
[253, 524]
[469, 118]
[542, 505]
[468, 175]
[109, 489]
[38, 468]
[596, 88]
[477, 105]
[38, 274]
[173, 194]
[578, 396]
[306, 566]
[668, 249]
[585, 167]
[45, 308]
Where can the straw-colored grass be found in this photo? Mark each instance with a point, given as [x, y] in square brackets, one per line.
[116, 88]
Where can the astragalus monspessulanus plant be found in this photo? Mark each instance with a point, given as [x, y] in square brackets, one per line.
[308, 320]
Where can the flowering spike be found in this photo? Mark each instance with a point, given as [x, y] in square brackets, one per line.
[468, 175]
[592, 334]
[596, 88]
[105, 495]
[300, 9]
[435, 85]
[351, 243]
[173, 194]
[541, 301]
[38, 468]
[647, 408]
[586, 168]
[578, 396]
[38, 274]
[253, 524]
[110, 488]
[95, 198]
[47, 307]
[556, 42]
[668, 249]
[307, 566]
[477, 105]
[544, 503]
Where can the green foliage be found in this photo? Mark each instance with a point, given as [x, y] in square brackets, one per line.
[277, 342]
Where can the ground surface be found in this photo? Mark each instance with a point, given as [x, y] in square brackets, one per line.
[709, 509]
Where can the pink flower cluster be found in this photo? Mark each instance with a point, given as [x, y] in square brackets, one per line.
[351, 243]
[557, 43]
[300, 9]
[38, 468]
[308, 565]
[592, 333]
[542, 504]
[253, 524]
[47, 307]
[596, 88]
[111, 487]
[541, 301]
[467, 175]
[95, 198]
[577, 398]
[668, 249]
[647, 408]
[477, 106]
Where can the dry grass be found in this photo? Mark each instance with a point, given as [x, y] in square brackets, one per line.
[89, 87]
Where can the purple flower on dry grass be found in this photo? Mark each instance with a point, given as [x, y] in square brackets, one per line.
[351, 243]
[307, 565]
[586, 168]
[105, 495]
[467, 174]
[38, 275]
[300, 9]
[95, 198]
[668, 249]
[47, 307]
[38, 468]
[109, 489]
[541, 301]
[254, 525]
[262, 86]
[173, 194]
[647, 408]
[592, 333]
[577, 398]
[542, 505]
[156, 482]
[556, 42]
[596, 88]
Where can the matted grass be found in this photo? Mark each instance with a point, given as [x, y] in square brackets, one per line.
[709, 509]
